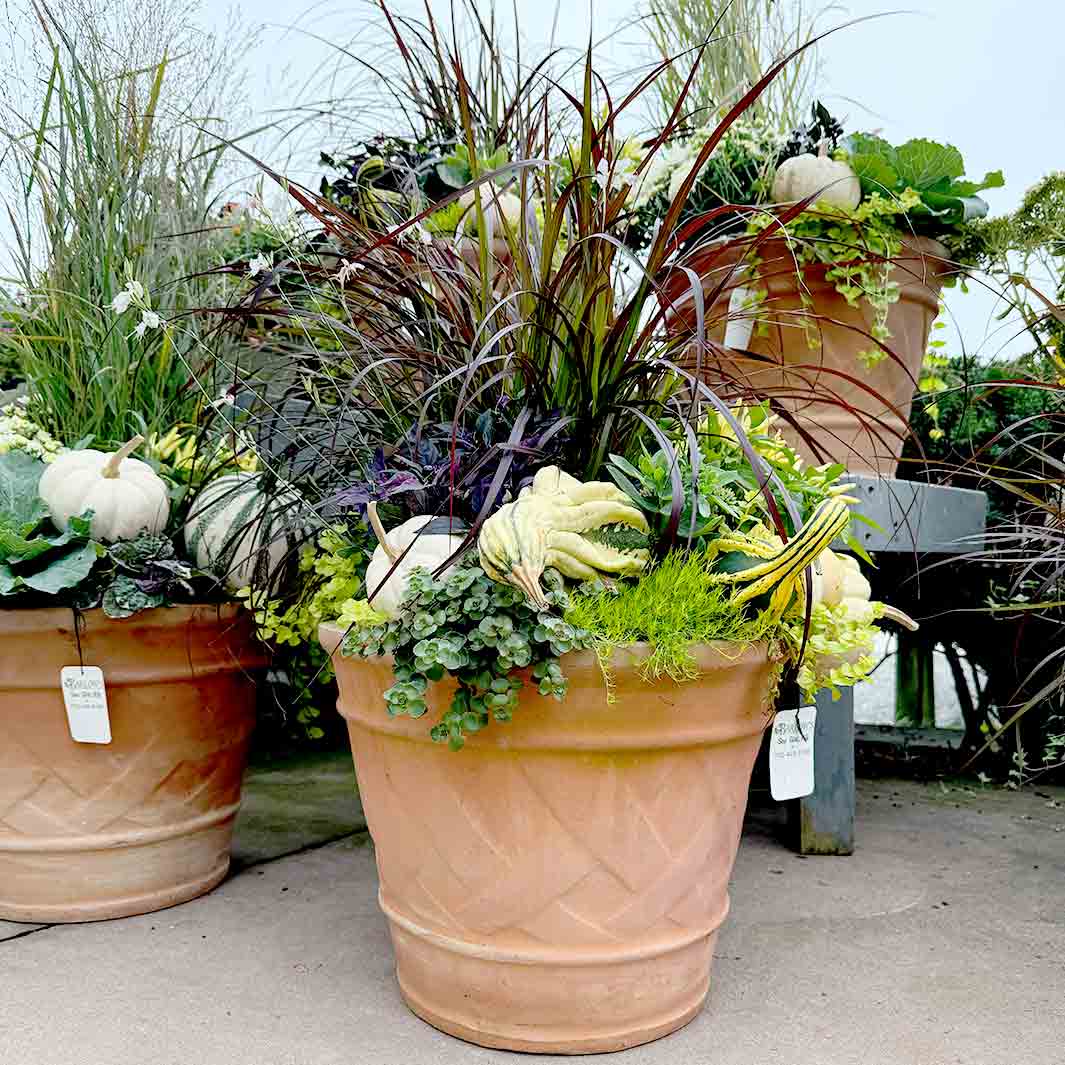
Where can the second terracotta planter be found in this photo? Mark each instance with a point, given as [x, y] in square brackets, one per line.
[558, 885]
[855, 414]
[92, 831]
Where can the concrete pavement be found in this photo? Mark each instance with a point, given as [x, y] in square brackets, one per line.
[941, 942]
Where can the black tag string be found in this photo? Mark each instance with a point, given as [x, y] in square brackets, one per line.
[79, 620]
[790, 696]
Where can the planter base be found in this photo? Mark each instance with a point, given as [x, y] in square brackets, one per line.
[606, 1043]
[643, 990]
[74, 913]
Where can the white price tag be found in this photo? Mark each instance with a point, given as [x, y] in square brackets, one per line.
[791, 754]
[740, 322]
[86, 701]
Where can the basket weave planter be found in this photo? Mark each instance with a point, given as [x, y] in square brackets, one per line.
[558, 885]
[92, 831]
[857, 415]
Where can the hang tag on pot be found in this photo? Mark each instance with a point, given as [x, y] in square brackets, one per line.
[791, 754]
[740, 323]
[85, 697]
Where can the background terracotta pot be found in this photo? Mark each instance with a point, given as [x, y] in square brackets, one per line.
[863, 417]
[93, 831]
[557, 885]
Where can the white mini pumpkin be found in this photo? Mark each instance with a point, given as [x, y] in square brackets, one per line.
[839, 579]
[126, 496]
[499, 208]
[241, 532]
[830, 180]
[428, 548]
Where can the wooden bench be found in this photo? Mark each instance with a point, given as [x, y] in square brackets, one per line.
[915, 519]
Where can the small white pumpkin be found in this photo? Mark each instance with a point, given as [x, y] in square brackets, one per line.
[239, 531]
[830, 180]
[839, 579]
[427, 548]
[126, 496]
[499, 208]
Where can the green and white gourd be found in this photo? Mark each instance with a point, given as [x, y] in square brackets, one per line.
[240, 532]
[126, 496]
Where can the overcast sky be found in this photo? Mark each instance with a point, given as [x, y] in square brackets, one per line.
[985, 75]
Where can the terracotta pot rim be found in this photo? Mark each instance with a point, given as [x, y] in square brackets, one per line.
[628, 714]
[914, 243]
[625, 658]
[50, 617]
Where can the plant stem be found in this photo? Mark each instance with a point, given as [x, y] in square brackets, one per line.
[379, 530]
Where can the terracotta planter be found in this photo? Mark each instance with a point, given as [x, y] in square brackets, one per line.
[91, 831]
[557, 886]
[860, 416]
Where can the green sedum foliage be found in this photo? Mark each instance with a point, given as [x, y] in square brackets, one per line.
[18, 432]
[483, 634]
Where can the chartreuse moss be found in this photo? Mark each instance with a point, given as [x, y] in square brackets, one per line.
[672, 607]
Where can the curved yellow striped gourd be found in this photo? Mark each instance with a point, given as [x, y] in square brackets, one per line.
[781, 572]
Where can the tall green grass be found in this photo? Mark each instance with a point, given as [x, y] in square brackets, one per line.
[746, 37]
[112, 181]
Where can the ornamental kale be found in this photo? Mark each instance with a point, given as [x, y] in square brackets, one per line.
[34, 558]
[482, 633]
[936, 172]
[147, 573]
[39, 566]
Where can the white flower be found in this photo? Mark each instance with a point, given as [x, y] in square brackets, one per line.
[149, 320]
[226, 399]
[347, 271]
[133, 293]
[612, 177]
[260, 263]
[120, 304]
